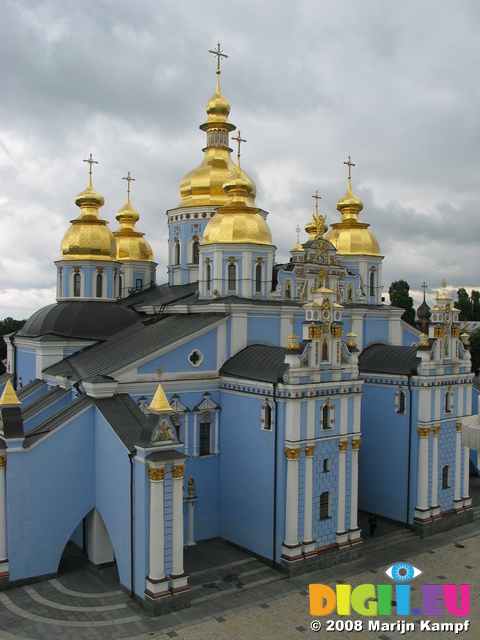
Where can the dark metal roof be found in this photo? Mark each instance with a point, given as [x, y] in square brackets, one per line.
[125, 418]
[88, 319]
[59, 418]
[4, 377]
[257, 362]
[160, 295]
[385, 358]
[31, 387]
[53, 395]
[131, 344]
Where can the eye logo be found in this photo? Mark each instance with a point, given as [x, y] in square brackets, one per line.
[403, 572]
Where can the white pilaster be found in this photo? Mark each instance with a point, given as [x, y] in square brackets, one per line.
[422, 511]
[291, 549]
[467, 501]
[3, 519]
[178, 578]
[458, 502]
[354, 531]
[195, 436]
[308, 541]
[217, 451]
[157, 583]
[342, 535]
[435, 506]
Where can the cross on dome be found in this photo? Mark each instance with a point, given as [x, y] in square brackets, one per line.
[219, 55]
[239, 140]
[350, 165]
[128, 179]
[90, 162]
[317, 198]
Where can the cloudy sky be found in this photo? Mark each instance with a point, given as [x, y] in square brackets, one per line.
[392, 84]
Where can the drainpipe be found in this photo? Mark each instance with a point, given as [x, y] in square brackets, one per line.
[409, 443]
[275, 475]
[132, 563]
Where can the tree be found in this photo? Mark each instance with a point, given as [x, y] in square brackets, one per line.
[464, 304]
[475, 297]
[475, 350]
[399, 292]
[9, 325]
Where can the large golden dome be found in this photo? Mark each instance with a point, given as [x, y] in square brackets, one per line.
[351, 236]
[204, 184]
[89, 237]
[131, 244]
[238, 221]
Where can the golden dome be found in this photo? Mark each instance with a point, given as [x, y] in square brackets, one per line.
[204, 184]
[131, 244]
[238, 221]
[351, 236]
[89, 237]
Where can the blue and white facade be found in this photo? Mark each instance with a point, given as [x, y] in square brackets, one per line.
[240, 400]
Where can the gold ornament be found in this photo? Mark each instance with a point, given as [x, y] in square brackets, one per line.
[356, 444]
[178, 471]
[156, 474]
[309, 450]
[292, 453]
[423, 432]
[342, 446]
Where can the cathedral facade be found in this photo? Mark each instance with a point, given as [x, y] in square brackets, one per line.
[258, 402]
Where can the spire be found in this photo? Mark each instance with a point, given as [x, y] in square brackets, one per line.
[9, 397]
[159, 403]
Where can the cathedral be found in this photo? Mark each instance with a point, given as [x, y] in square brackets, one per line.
[259, 402]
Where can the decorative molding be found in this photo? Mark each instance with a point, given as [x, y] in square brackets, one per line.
[3, 461]
[459, 426]
[342, 446]
[292, 453]
[423, 432]
[436, 430]
[356, 444]
[178, 471]
[156, 474]
[309, 450]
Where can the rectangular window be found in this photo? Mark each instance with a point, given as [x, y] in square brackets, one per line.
[324, 505]
[204, 449]
[139, 284]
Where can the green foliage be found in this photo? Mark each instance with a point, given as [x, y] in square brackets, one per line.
[9, 325]
[399, 292]
[475, 350]
[469, 306]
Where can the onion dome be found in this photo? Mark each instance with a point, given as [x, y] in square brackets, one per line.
[238, 221]
[204, 184]
[298, 247]
[423, 315]
[131, 244]
[351, 236]
[89, 237]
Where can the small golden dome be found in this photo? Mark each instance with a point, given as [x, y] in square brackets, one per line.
[351, 236]
[238, 221]
[131, 244]
[89, 237]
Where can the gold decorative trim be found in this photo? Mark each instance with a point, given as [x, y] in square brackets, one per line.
[438, 332]
[459, 426]
[356, 444]
[292, 453]
[423, 432]
[178, 471]
[309, 450]
[342, 446]
[156, 474]
[3, 461]
[337, 332]
[436, 430]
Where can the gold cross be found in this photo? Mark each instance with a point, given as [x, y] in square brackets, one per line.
[239, 140]
[219, 55]
[350, 165]
[128, 179]
[317, 198]
[90, 162]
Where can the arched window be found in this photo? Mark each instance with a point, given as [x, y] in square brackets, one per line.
[326, 465]
[77, 285]
[99, 285]
[288, 290]
[176, 254]
[120, 285]
[258, 278]
[401, 401]
[349, 292]
[231, 277]
[448, 402]
[325, 505]
[326, 424]
[60, 284]
[324, 351]
[208, 276]
[195, 251]
[446, 477]
[268, 417]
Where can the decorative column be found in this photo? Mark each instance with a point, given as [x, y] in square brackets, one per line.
[308, 541]
[354, 531]
[190, 500]
[467, 501]
[3, 519]
[435, 512]
[458, 502]
[422, 511]
[178, 578]
[157, 583]
[342, 535]
[291, 549]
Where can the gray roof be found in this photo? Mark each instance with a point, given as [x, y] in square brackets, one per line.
[259, 362]
[31, 387]
[47, 399]
[58, 419]
[131, 345]
[385, 358]
[160, 295]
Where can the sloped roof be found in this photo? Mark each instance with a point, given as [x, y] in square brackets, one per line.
[257, 362]
[44, 401]
[131, 345]
[160, 295]
[385, 358]
[31, 387]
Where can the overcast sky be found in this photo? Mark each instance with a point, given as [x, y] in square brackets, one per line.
[395, 85]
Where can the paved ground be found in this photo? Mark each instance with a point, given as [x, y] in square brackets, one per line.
[241, 598]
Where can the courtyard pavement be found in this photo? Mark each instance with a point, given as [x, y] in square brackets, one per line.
[235, 596]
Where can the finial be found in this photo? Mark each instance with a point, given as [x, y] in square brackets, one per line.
[350, 165]
[317, 198]
[292, 345]
[128, 179]
[292, 321]
[424, 287]
[90, 162]
[219, 55]
[239, 140]
[444, 285]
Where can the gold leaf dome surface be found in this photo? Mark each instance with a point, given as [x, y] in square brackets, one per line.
[351, 236]
[89, 236]
[131, 245]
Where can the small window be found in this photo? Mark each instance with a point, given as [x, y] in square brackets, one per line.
[448, 402]
[204, 449]
[324, 351]
[77, 284]
[349, 292]
[326, 422]
[120, 286]
[258, 278]
[325, 505]
[208, 277]
[326, 465]
[401, 401]
[176, 254]
[232, 274]
[139, 284]
[288, 290]
[372, 283]
[268, 416]
[99, 285]
[446, 477]
[195, 252]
